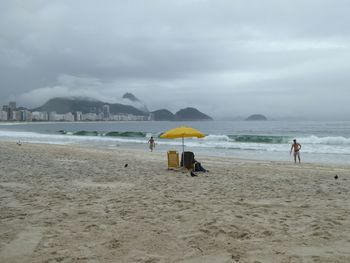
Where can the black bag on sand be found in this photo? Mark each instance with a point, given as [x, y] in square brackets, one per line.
[198, 167]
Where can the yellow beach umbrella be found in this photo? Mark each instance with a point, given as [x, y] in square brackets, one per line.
[182, 132]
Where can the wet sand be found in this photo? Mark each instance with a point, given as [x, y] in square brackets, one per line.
[75, 204]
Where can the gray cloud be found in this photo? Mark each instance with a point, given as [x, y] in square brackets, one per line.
[228, 58]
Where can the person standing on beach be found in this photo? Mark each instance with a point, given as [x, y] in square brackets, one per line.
[151, 143]
[296, 150]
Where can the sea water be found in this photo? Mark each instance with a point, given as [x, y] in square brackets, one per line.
[322, 142]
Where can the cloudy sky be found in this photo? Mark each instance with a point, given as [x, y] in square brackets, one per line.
[227, 58]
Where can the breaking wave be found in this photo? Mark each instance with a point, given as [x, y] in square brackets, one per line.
[107, 134]
[126, 134]
[334, 140]
[212, 138]
[260, 138]
[259, 143]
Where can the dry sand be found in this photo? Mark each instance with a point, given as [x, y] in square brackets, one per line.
[75, 204]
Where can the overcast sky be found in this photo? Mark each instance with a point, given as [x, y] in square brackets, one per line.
[226, 58]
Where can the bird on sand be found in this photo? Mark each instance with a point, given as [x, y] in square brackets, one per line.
[126, 165]
[336, 177]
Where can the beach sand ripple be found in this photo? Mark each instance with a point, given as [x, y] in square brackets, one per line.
[78, 204]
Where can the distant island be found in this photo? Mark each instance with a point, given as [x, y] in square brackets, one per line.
[256, 117]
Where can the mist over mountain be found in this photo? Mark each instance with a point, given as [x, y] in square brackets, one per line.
[73, 104]
[131, 99]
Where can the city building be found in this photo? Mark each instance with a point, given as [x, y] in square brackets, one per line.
[40, 116]
[78, 116]
[10, 112]
[6, 109]
[62, 117]
[106, 113]
[24, 115]
[52, 116]
[12, 105]
[3, 115]
[89, 117]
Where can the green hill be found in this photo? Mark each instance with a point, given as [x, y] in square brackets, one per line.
[191, 114]
[87, 105]
[65, 105]
[163, 115]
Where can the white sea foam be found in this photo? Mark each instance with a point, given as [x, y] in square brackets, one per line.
[311, 144]
[215, 138]
[335, 140]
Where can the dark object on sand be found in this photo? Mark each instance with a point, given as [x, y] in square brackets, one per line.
[187, 160]
[193, 174]
[198, 167]
[126, 165]
[336, 177]
[19, 143]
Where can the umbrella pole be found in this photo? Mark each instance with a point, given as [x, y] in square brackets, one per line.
[183, 151]
[183, 144]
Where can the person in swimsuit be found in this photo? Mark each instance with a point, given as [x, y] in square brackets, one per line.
[152, 144]
[296, 150]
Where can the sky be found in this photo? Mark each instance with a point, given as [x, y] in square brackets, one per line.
[227, 58]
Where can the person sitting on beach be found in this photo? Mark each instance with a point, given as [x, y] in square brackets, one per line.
[151, 143]
[296, 150]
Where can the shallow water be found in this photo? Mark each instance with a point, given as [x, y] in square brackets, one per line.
[325, 142]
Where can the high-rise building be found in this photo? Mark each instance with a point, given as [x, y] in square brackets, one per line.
[78, 115]
[52, 116]
[40, 116]
[106, 112]
[3, 115]
[11, 114]
[7, 109]
[24, 115]
[12, 105]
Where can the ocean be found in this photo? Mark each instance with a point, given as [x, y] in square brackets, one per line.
[322, 142]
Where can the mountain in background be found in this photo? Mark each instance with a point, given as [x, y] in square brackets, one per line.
[73, 104]
[187, 114]
[88, 105]
[131, 99]
[163, 115]
[191, 114]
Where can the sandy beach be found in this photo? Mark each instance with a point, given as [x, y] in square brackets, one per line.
[76, 204]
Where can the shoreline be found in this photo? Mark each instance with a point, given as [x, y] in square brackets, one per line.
[266, 141]
[204, 153]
